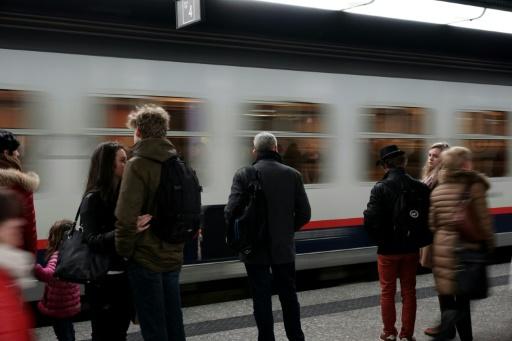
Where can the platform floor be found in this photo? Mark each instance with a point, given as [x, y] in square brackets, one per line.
[346, 312]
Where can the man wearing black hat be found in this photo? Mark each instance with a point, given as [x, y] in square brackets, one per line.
[397, 209]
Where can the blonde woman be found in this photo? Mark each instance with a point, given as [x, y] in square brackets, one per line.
[430, 178]
[456, 177]
[433, 164]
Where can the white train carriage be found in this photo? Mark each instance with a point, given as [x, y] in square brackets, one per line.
[329, 126]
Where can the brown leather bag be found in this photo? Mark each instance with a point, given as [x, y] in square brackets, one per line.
[426, 256]
[464, 218]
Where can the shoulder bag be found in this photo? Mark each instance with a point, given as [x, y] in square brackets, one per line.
[471, 268]
[77, 263]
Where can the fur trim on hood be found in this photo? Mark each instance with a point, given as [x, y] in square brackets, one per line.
[12, 177]
[463, 176]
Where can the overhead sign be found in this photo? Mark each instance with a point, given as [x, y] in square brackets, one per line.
[187, 12]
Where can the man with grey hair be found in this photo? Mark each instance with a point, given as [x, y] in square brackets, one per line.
[265, 141]
[273, 259]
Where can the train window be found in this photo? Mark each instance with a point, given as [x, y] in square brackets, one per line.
[414, 149]
[300, 131]
[125, 141]
[490, 152]
[17, 109]
[13, 109]
[483, 122]
[403, 120]
[186, 113]
[380, 123]
[489, 156]
[191, 149]
[186, 132]
[285, 116]
[304, 154]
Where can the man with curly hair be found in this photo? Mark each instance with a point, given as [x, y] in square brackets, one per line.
[153, 264]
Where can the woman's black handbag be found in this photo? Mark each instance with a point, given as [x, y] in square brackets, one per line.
[76, 262]
[471, 273]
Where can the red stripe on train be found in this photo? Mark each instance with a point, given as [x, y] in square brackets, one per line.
[333, 223]
[42, 244]
[501, 210]
[325, 224]
[351, 222]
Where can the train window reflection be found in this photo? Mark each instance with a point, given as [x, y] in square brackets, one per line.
[191, 149]
[305, 154]
[125, 141]
[187, 125]
[414, 149]
[489, 156]
[13, 112]
[284, 116]
[404, 120]
[186, 113]
[483, 122]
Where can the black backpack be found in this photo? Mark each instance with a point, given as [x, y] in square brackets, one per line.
[410, 213]
[248, 226]
[178, 202]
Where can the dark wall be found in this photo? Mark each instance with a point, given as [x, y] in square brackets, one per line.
[258, 34]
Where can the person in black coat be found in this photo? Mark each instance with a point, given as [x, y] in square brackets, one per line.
[288, 210]
[110, 299]
[398, 251]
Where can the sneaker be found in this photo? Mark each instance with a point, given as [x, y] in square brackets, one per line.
[387, 337]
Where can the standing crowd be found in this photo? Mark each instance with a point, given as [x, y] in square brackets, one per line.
[411, 221]
[448, 183]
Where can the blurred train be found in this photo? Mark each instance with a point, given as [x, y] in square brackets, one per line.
[329, 126]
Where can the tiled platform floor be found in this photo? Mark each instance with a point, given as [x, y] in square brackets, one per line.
[346, 312]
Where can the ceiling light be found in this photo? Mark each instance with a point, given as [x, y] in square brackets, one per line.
[431, 11]
[491, 20]
[334, 5]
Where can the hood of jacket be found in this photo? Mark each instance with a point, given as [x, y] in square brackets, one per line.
[19, 264]
[464, 177]
[12, 177]
[159, 149]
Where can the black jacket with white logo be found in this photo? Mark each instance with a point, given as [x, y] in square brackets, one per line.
[378, 216]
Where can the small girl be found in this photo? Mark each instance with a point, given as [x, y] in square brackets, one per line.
[61, 300]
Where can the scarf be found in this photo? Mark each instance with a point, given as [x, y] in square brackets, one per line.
[19, 264]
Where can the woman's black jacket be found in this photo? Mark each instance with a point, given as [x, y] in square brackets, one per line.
[98, 221]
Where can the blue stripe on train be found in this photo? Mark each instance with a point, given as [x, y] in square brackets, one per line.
[214, 248]
[354, 237]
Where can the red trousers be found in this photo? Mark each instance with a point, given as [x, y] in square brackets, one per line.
[391, 268]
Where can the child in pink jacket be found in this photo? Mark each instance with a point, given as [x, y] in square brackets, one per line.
[61, 300]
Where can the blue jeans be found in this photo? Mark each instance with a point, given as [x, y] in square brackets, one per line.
[64, 329]
[158, 303]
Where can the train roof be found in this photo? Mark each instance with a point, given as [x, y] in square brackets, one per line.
[256, 34]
